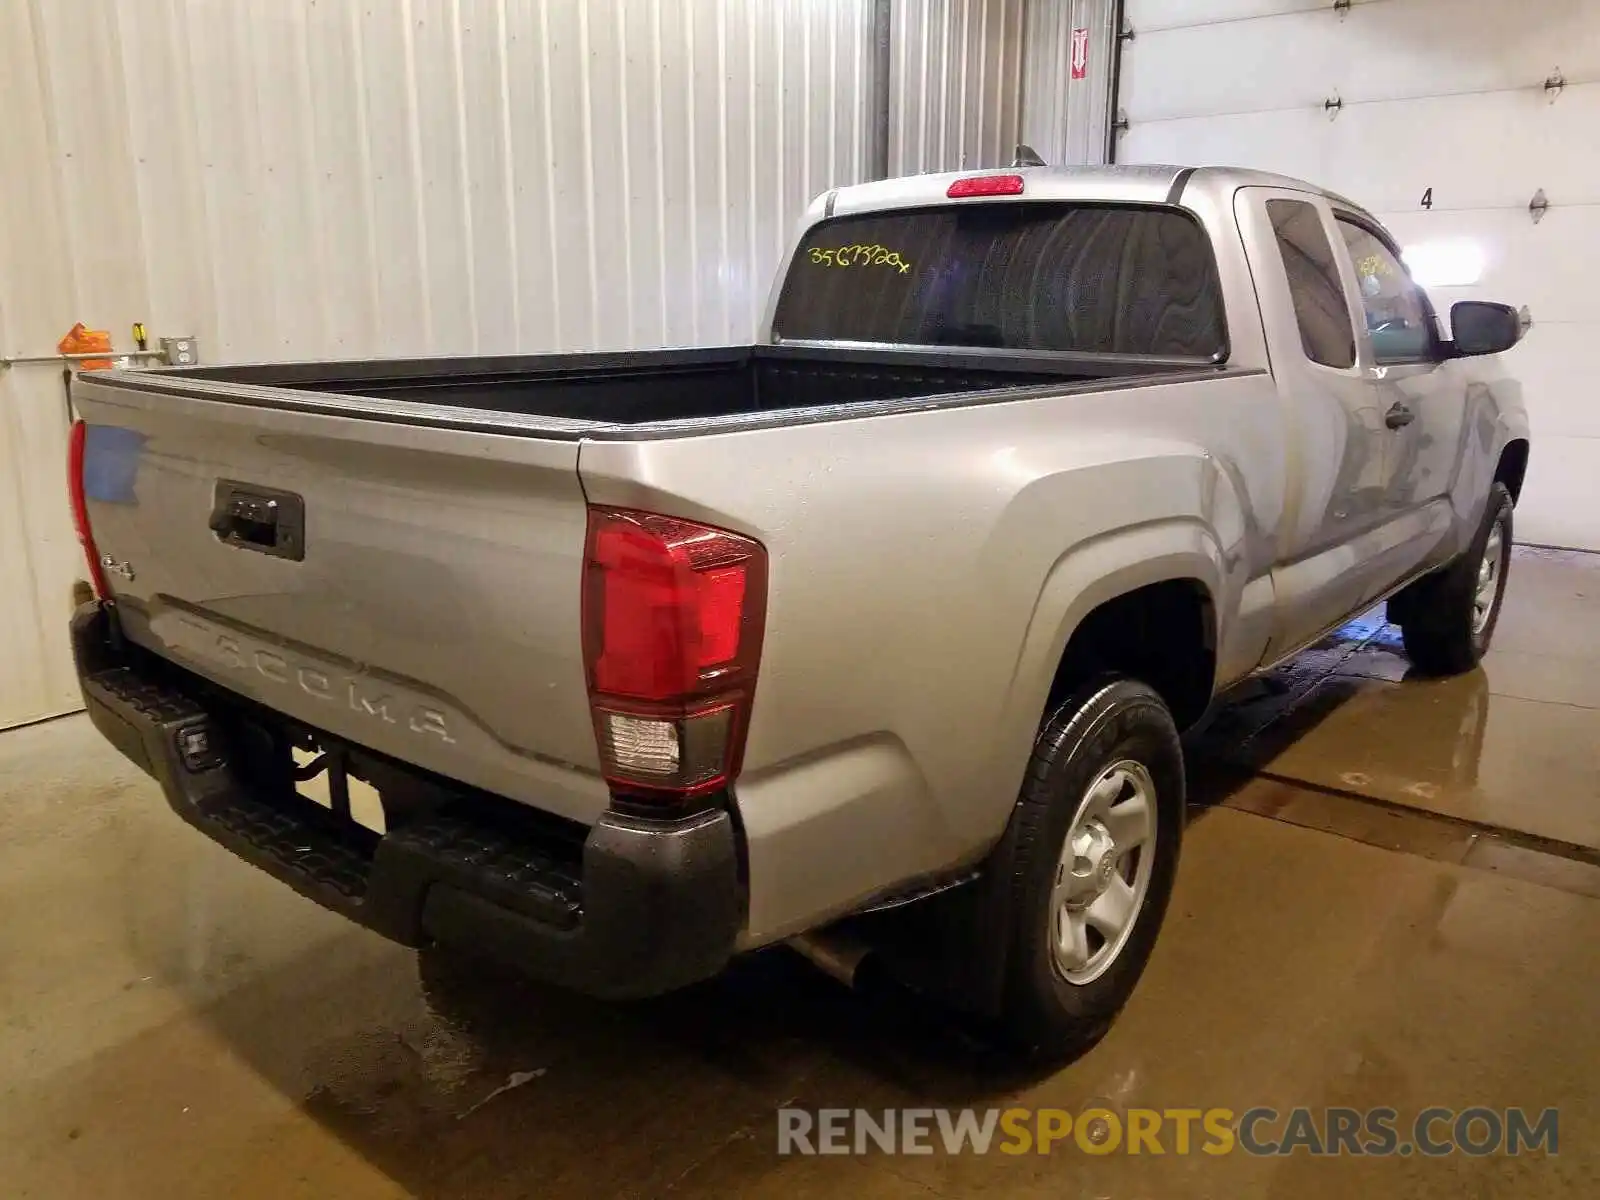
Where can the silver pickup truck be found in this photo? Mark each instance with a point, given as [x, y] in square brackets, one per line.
[655, 658]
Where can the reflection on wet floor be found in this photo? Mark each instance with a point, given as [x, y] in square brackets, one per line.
[175, 1025]
[1491, 754]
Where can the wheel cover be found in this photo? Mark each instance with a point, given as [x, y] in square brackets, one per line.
[1491, 574]
[1104, 872]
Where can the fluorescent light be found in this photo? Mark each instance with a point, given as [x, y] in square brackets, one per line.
[1456, 262]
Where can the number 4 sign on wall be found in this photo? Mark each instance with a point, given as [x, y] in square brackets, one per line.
[1080, 53]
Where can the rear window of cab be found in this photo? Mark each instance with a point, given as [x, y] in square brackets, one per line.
[1024, 275]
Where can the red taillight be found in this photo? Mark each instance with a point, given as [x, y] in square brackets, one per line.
[80, 508]
[985, 185]
[673, 614]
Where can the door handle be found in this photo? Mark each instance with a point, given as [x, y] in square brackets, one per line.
[1398, 416]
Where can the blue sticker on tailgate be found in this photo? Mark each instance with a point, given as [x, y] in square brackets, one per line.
[111, 463]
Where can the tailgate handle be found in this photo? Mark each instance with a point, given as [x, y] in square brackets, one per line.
[258, 518]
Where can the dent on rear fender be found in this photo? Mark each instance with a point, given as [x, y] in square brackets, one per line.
[1165, 511]
[1150, 510]
[1085, 578]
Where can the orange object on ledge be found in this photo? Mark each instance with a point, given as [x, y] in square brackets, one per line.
[86, 341]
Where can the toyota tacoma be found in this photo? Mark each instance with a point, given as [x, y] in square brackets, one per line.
[655, 658]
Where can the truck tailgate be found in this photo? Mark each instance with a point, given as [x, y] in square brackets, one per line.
[430, 610]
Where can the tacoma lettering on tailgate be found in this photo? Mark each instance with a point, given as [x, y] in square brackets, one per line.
[363, 696]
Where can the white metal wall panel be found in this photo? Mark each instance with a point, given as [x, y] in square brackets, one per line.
[38, 281]
[1156, 15]
[1063, 118]
[956, 84]
[1440, 94]
[318, 178]
[1387, 50]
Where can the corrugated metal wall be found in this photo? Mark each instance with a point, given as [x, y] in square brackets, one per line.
[1065, 119]
[956, 75]
[315, 178]
[441, 176]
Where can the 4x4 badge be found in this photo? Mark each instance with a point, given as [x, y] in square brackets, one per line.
[124, 569]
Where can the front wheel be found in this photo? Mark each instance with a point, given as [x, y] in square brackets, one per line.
[1449, 619]
[1092, 859]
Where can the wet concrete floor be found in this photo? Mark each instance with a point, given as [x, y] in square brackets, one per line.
[1388, 898]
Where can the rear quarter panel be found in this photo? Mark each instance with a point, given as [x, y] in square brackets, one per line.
[927, 569]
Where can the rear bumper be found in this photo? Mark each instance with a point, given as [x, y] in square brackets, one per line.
[641, 907]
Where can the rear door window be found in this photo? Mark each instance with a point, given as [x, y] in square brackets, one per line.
[1319, 304]
[1036, 275]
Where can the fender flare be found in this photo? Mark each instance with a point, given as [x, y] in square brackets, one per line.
[1080, 581]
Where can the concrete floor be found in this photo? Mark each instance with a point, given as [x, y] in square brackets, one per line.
[1388, 897]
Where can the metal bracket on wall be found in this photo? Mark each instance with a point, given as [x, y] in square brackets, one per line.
[174, 352]
[1342, 7]
[1538, 206]
[1555, 83]
[63, 360]
[1127, 34]
[1120, 125]
[1332, 106]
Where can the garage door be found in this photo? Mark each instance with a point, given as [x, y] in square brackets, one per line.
[1435, 114]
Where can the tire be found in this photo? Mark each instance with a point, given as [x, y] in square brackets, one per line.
[1111, 740]
[1445, 622]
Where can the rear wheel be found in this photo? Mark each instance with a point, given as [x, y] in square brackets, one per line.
[1448, 618]
[1092, 858]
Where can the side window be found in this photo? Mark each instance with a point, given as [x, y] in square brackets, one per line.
[1398, 318]
[1319, 305]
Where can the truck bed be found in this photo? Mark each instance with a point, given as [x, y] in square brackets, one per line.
[388, 553]
[676, 385]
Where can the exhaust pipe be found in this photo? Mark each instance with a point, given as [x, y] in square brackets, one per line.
[833, 954]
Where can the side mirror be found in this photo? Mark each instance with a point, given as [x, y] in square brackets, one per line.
[1480, 327]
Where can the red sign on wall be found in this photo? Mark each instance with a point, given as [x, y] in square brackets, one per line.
[1080, 53]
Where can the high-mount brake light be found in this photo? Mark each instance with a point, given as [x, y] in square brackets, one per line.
[985, 185]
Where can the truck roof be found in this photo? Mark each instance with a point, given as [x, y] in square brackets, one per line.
[1142, 184]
